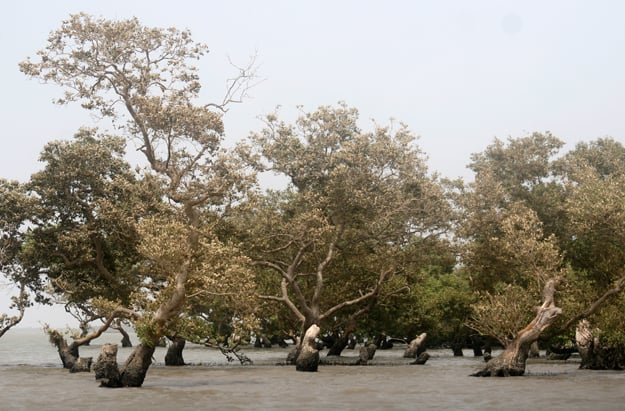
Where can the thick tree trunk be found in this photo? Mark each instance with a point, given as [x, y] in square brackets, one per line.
[133, 371]
[511, 362]
[416, 346]
[174, 352]
[594, 355]
[308, 358]
[106, 368]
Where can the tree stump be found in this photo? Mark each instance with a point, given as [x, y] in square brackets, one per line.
[416, 346]
[82, 364]
[366, 354]
[308, 358]
[511, 362]
[106, 368]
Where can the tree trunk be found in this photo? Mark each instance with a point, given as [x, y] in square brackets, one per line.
[511, 362]
[366, 354]
[594, 355]
[106, 368]
[476, 345]
[125, 337]
[456, 348]
[291, 357]
[133, 371]
[69, 352]
[308, 358]
[534, 350]
[341, 341]
[416, 346]
[174, 352]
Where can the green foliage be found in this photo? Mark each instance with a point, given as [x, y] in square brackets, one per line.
[527, 213]
[147, 239]
[328, 246]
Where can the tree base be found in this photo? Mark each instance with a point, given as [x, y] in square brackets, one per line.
[308, 358]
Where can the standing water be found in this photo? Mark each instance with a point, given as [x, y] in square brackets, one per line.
[31, 378]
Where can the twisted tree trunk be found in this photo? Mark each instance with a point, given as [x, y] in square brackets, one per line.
[69, 352]
[511, 362]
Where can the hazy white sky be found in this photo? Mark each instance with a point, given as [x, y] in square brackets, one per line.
[458, 72]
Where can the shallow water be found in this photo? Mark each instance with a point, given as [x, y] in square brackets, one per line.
[31, 378]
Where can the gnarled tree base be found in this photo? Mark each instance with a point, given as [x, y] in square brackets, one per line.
[416, 346]
[308, 358]
[511, 362]
[133, 371]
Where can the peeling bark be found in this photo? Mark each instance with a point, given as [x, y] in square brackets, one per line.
[416, 346]
[511, 362]
[594, 355]
[308, 358]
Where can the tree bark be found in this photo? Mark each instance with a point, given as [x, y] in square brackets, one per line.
[416, 346]
[476, 345]
[456, 348]
[594, 355]
[511, 362]
[308, 358]
[106, 368]
[366, 354]
[174, 352]
[342, 340]
[133, 371]
[68, 353]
